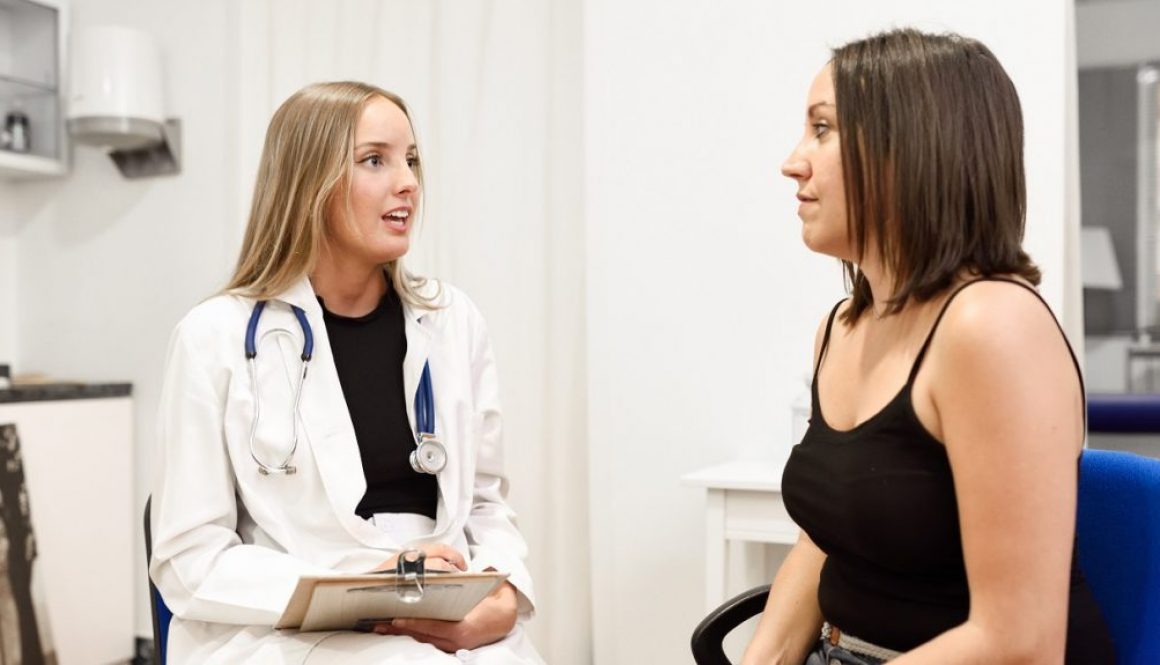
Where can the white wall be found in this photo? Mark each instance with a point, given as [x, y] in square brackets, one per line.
[9, 294]
[1117, 32]
[107, 266]
[702, 300]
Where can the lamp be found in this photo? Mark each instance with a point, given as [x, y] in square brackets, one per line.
[115, 100]
[1099, 269]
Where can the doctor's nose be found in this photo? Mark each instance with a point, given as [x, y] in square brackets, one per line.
[408, 182]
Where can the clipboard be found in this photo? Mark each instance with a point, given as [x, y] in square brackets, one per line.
[357, 602]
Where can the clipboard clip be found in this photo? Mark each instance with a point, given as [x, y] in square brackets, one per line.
[411, 570]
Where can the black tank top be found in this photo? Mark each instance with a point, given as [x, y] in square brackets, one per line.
[368, 355]
[879, 500]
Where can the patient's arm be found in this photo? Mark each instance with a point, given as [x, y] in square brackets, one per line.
[792, 619]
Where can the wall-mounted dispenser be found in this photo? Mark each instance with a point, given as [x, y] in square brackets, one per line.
[116, 100]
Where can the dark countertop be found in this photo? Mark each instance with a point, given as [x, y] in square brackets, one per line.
[43, 392]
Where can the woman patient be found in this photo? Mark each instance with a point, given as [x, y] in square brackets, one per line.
[936, 484]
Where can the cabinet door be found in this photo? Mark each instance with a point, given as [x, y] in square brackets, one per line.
[78, 470]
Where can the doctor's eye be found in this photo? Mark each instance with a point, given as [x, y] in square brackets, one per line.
[412, 162]
[373, 160]
[820, 129]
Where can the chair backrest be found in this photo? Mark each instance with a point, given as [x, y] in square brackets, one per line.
[161, 613]
[1118, 541]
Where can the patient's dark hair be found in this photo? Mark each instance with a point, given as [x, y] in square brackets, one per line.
[932, 158]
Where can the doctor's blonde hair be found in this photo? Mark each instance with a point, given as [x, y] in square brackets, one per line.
[307, 159]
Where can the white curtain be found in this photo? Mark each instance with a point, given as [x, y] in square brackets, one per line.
[494, 89]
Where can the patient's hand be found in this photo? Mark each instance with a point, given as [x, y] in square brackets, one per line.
[439, 557]
[490, 621]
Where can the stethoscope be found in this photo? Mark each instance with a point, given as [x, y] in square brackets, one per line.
[429, 455]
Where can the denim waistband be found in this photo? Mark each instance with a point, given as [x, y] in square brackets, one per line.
[838, 648]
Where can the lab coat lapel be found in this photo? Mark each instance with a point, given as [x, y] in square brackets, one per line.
[423, 341]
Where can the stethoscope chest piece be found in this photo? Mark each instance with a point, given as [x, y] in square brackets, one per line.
[429, 456]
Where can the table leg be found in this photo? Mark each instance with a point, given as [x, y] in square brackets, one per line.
[715, 570]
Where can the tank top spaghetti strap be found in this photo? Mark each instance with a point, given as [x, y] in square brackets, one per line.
[826, 335]
[938, 319]
[934, 328]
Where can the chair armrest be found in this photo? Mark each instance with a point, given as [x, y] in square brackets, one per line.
[710, 633]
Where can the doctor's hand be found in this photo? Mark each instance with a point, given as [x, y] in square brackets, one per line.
[490, 621]
[439, 557]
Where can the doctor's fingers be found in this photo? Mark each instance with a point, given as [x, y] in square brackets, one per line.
[446, 553]
[438, 557]
[443, 635]
[439, 563]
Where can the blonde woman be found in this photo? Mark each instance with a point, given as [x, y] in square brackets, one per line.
[290, 430]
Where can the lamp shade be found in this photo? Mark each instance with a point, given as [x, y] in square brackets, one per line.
[1099, 268]
[115, 88]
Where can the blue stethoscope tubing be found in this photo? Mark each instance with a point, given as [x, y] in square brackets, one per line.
[429, 455]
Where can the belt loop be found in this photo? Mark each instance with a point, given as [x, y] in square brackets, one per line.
[835, 636]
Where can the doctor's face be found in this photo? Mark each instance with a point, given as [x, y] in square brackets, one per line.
[384, 189]
[816, 166]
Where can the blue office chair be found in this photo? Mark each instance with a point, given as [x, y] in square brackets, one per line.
[1118, 527]
[161, 613]
[1118, 545]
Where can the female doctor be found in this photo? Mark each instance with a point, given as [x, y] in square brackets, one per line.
[292, 420]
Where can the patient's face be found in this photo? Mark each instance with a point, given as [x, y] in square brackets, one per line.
[816, 166]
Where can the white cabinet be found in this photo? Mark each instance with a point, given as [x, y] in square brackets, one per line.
[78, 470]
[32, 136]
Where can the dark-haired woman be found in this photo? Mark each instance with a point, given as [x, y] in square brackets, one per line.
[936, 484]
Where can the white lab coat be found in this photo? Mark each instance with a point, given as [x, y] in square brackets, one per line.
[229, 543]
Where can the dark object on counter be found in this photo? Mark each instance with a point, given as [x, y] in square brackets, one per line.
[17, 131]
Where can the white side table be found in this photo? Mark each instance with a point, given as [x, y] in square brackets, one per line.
[744, 504]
